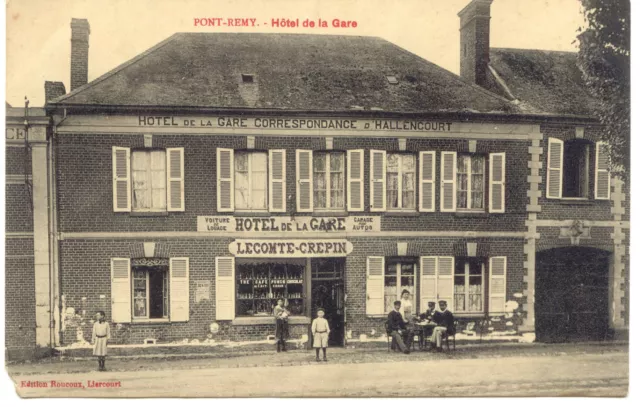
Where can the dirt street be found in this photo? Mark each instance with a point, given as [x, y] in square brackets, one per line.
[557, 375]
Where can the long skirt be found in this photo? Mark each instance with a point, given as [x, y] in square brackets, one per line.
[282, 329]
[100, 347]
[321, 340]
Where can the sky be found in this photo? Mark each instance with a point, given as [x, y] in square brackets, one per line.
[38, 31]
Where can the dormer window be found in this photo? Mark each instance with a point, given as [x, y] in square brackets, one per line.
[247, 78]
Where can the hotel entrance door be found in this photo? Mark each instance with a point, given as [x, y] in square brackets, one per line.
[327, 292]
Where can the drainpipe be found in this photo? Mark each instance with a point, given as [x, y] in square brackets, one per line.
[56, 321]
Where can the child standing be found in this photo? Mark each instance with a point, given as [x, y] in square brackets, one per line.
[282, 324]
[320, 331]
[101, 334]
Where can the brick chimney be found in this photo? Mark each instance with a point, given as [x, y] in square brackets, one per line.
[53, 90]
[79, 52]
[474, 41]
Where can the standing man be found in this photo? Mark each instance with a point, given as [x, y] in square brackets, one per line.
[398, 328]
[445, 324]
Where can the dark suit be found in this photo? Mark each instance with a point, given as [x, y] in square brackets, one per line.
[398, 330]
[445, 321]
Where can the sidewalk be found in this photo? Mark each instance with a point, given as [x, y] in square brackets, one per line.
[306, 357]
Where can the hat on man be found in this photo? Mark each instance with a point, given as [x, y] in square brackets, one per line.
[442, 302]
[431, 303]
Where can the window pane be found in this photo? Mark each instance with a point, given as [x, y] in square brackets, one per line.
[139, 293]
[408, 190]
[475, 293]
[140, 180]
[392, 162]
[459, 293]
[392, 190]
[242, 189]
[337, 162]
[241, 162]
[477, 164]
[319, 180]
[408, 163]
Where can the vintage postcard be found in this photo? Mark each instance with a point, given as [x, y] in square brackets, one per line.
[317, 198]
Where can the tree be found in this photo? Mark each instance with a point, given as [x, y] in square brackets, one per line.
[604, 60]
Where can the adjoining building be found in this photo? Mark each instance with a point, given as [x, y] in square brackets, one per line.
[214, 173]
[577, 216]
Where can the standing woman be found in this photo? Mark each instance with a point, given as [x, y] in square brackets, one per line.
[406, 307]
[99, 337]
[282, 324]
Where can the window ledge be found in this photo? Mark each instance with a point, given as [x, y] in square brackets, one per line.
[150, 321]
[252, 214]
[297, 320]
[577, 201]
[471, 214]
[148, 214]
[401, 213]
[330, 213]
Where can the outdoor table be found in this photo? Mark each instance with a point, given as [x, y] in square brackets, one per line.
[424, 328]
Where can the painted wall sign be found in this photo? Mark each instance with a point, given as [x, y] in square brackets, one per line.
[14, 133]
[290, 248]
[203, 290]
[300, 224]
[293, 124]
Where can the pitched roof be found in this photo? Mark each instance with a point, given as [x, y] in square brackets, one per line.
[291, 72]
[543, 81]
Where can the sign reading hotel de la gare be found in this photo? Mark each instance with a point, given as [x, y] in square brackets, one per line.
[273, 123]
[296, 226]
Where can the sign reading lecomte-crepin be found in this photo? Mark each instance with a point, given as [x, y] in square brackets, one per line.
[290, 248]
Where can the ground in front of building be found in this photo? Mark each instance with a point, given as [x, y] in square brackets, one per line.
[506, 370]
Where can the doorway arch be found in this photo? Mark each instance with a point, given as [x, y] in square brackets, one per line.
[572, 294]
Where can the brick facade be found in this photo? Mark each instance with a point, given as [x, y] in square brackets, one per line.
[84, 202]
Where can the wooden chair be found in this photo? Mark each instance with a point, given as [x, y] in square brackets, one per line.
[453, 335]
[388, 333]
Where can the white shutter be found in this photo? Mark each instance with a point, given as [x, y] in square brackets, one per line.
[375, 285]
[496, 182]
[225, 172]
[225, 288]
[448, 169]
[427, 181]
[277, 181]
[603, 177]
[120, 290]
[378, 181]
[304, 174]
[121, 163]
[497, 284]
[555, 153]
[175, 179]
[179, 288]
[355, 180]
[445, 280]
[428, 280]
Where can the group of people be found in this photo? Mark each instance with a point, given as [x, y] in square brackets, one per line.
[319, 330]
[398, 323]
[401, 318]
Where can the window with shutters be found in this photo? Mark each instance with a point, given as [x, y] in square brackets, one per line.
[575, 183]
[149, 180]
[259, 284]
[401, 181]
[470, 181]
[329, 180]
[399, 275]
[468, 284]
[150, 291]
[251, 192]
[569, 166]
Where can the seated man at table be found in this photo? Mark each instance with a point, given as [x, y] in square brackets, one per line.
[444, 321]
[428, 314]
[398, 328]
